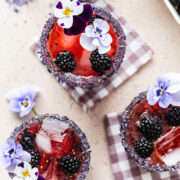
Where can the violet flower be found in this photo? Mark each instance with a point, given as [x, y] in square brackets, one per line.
[166, 92]
[72, 16]
[22, 99]
[13, 154]
[97, 36]
[24, 171]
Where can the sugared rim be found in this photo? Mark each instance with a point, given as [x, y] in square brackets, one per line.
[82, 81]
[55, 117]
[144, 163]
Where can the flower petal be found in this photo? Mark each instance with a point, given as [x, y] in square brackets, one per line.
[27, 166]
[13, 165]
[6, 162]
[175, 99]
[86, 42]
[174, 82]
[77, 27]
[66, 22]
[95, 42]
[65, 3]
[41, 178]
[14, 106]
[27, 110]
[17, 178]
[18, 93]
[89, 30]
[34, 173]
[13, 94]
[10, 144]
[77, 7]
[59, 5]
[31, 91]
[19, 171]
[59, 13]
[101, 24]
[106, 39]
[87, 13]
[25, 157]
[152, 95]
[165, 100]
[103, 49]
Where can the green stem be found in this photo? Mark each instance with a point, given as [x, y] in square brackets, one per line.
[34, 111]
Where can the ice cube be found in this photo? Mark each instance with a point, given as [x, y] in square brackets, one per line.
[55, 130]
[172, 157]
[43, 142]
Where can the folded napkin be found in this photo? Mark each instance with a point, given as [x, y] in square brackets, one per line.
[123, 167]
[137, 54]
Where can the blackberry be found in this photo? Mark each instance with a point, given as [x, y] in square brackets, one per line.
[70, 164]
[65, 61]
[35, 158]
[100, 62]
[175, 2]
[150, 127]
[178, 9]
[27, 140]
[93, 18]
[173, 116]
[143, 147]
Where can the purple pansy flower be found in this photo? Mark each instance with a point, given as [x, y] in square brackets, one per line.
[72, 16]
[24, 171]
[22, 99]
[166, 92]
[13, 154]
[97, 36]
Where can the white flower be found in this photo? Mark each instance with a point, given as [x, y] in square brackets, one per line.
[24, 171]
[65, 10]
[97, 35]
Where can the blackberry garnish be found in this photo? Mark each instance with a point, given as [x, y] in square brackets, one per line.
[175, 2]
[173, 116]
[151, 127]
[178, 9]
[93, 18]
[27, 140]
[143, 147]
[100, 62]
[35, 158]
[70, 164]
[65, 61]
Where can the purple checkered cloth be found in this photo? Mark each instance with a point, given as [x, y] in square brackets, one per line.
[123, 167]
[137, 54]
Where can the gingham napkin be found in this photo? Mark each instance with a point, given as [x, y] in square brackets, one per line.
[122, 166]
[137, 54]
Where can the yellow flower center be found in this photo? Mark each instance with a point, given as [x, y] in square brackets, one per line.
[161, 91]
[26, 174]
[12, 154]
[25, 103]
[67, 12]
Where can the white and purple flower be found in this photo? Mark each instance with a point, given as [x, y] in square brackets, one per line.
[72, 15]
[167, 92]
[22, 99]
[97, 36]
[24, 171]
[13, 154]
